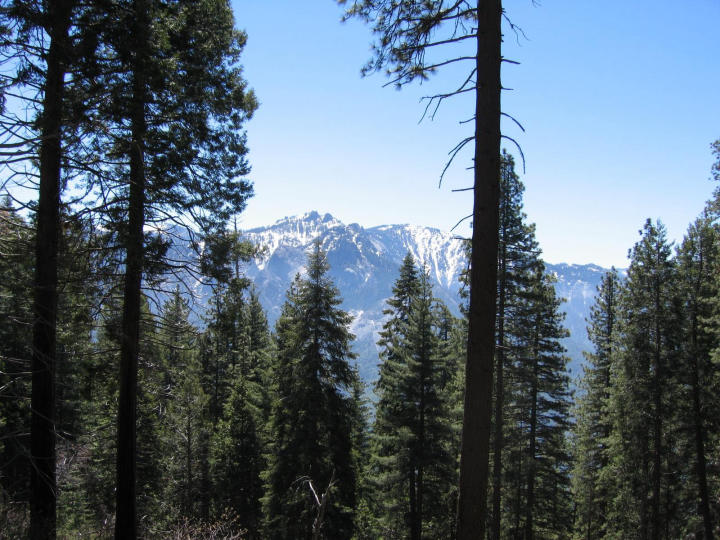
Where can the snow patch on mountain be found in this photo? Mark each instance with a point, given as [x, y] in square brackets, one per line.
[364, 264]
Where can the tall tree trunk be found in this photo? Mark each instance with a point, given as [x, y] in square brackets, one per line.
[472, 493]
[42, 428]
[126, 511]
[518, 495]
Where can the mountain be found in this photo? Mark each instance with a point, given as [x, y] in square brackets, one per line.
[364, 264]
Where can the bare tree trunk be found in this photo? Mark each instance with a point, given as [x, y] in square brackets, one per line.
[472, 496]
[126, 511]
[42, 430]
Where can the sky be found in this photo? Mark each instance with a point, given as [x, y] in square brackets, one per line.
[619, 100]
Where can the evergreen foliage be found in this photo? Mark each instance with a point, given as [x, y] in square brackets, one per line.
[227, 430]
[593, 426]
[15, 338]
[698, 383]
[538, 465]
[471, 31]
[640, 407]
[314, 412]
[183, 408]
[238, 438]
[413, 461]
[517, 258]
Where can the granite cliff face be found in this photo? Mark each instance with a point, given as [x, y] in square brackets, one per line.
[364, 265]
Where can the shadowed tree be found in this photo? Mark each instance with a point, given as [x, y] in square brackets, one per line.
[174, 151]
[314, 413]
[29, 21]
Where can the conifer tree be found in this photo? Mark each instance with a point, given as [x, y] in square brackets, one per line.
[393, 409]
[174, 126]
[413, 456]
[237, 442]
[699, 406]
[313, 413]
[538, 461]
[41, 68]
[593, 425]
[15, 338]
[365, 518]
[183, 405]
[237, 457]
[642, 385]
[517, 257]
[96, 468]
[471, 31]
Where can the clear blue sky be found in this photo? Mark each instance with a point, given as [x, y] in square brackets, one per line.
[620, 101]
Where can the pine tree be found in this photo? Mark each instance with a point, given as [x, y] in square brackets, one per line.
[183, 406]
[15, 338]
[23, 21]
[365, 518]
[313, 413]
[81, 294]
[406, 31]
[389, 474]
[93, 513]
[237, 441]
[699, 407]
[593, 425]
[538, 460]
[235, 359]
[237, 458]
[517, 257]
[174, 124]
[413, 458]
[642, 387]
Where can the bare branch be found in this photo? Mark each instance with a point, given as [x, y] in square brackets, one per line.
[506, 115]
[459, 222]
[453, 153]
[517, 145]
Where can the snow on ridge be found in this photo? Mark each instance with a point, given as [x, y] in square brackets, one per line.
[443, 253]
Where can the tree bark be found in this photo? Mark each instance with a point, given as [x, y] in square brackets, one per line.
[126, 511]
[42, 429]
[474, 460]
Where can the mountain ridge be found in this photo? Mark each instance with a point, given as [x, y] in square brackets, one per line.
[364, 264]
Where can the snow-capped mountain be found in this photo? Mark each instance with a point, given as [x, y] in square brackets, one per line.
[364, 264]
